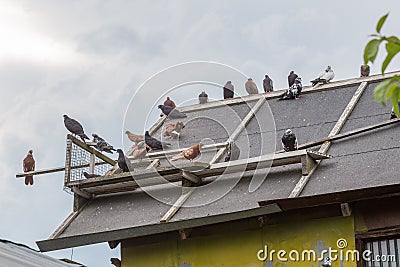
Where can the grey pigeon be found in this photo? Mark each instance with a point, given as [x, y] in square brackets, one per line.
[88, 175]
[122, 161]
[74, 127]
[268, 84]
[228, 90]
[171, 112]
[324, 77]
[291, 78]
[102, 145]
[153, 143]
[289, 141]
[251, 87]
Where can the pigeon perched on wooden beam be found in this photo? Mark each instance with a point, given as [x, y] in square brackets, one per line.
[169, 103]
[154, 143]
[268, 84]
[294, 91]
[136, 138]
[122, 161]
[173, 130]
[229, 90]
[29, 165]
[324, 77]
[364, 70]
[102, 145]
[289, 141]
[190, 154]
[90, 175]
[171, 112]
[140, 150]
[251, 87]
[75, 127]
[292, 77]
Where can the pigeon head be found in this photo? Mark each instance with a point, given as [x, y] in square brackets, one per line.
[250, 79]
[65, 116]
[160, 106]
[291, 72]
[168, 98]
[266, 76]
[298, 79]
[328, 68]
[30, 151]
[119, 151]
[127, 132]
[288, 132]
[147, 133]
[95, 135]
[228, 82]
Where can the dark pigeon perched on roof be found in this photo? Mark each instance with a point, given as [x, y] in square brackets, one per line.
[102, 145]
[289, 141]
[171, 112]
[74, 127]
[154, 143]
[122, 161]
[291, 78]
[229, 90]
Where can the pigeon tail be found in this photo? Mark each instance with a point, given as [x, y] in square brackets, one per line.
[177, 157]
[29, 180]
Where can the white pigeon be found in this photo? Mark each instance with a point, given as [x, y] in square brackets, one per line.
[324, 77]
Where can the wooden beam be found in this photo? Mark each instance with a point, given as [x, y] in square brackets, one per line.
[66, 223]
[81, 193]
[177, 205]
[346, 209]
[154, 164]
[191, 177]
[325, 146]
[57, 169]
[91, 150]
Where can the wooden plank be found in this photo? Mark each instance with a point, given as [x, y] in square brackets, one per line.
[191, 177]
[57, 169]
[240, 128]
[91, 150]
[325, 146]
[154, 164]
[177, 205]
[81, 193]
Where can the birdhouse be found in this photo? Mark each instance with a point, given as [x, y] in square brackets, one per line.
[203, 98]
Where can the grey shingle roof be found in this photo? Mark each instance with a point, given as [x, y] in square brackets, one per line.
[362, 161]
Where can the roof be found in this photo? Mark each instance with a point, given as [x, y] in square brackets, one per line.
[18, 255]
[358, 164]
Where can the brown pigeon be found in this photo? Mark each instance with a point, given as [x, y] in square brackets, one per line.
[140, 150]
[173, 129]
[251, 87]
[364, 71]
[191, 153]
[136, 138]
[29, 165]
[170, 103]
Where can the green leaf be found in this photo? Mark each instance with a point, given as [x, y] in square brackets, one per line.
[390, 91]
[382, 88]
[371, 50]
[381, 22]
[395, 100]
[392, 48]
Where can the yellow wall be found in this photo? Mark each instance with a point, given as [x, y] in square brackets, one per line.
[239, 249]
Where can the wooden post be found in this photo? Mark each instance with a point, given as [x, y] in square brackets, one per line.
[67, 174]
[92, 162]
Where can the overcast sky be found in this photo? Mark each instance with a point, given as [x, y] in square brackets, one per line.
[87, 58]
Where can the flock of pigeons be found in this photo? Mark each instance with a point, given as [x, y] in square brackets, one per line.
[145, 143]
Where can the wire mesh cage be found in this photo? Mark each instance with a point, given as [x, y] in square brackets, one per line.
[79, 160]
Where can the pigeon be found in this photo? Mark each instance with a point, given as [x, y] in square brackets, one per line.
[136, 138]
[233, 152]
[268, 84]
[90, 175]
[169, 103]
[324, 77]
[102, 145]
[251, 87]
[29, 165]
[364, 70]
[191, 153]
[116, 262]
[140, 150]
[229, 90]
[171, 112]
[154, 143]
[294, 91]
[173, 130]
[291, 78]
[74, 127]
[122, 161]
[289, 141]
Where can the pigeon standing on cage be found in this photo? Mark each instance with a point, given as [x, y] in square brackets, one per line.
[102, 145]
[123, 161]
[75, 127]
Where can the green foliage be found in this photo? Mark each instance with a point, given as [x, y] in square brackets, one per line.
[390, 88]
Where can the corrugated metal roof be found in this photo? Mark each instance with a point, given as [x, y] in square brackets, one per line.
[17, 255]
[358, 163]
